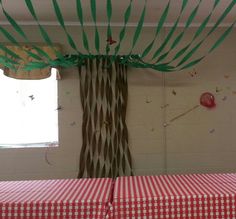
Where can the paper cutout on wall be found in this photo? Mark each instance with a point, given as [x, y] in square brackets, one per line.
[73, 124]
[164, 106]
[174, 92]
[110, 41]
[218, 90]
[212, 131]
[193, 73]
[59, 108]
[224, 98]
[31, 97]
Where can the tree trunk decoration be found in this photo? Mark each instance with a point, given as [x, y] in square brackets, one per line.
[103, 88]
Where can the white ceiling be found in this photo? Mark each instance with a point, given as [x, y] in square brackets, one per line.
[44, 9]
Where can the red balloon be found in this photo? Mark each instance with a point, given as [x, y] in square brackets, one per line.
[208, 100]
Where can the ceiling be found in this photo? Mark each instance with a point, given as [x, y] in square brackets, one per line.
[44, 9]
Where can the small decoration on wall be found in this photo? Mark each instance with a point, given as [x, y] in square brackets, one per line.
[193, 73]
[164, 106]
[73, 123]
[59, 108]
[165, 124]
[218, 90]
[212, 131]
[110, 41]
[174, 92]
[207, 100]
[31, 97]
[224, 98]
[148, 101]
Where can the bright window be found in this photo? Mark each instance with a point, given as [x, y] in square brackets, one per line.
[28, 112]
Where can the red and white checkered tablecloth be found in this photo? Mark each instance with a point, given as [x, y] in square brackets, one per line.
[196, 196]
[67, 199]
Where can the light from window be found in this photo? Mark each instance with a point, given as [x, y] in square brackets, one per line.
[28, 112]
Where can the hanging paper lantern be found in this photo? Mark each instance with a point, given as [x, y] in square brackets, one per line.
[208, 100]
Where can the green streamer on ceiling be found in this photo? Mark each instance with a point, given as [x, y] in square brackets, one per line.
[154, 55]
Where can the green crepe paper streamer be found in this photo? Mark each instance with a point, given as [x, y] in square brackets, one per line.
[193, 63]
[160, 67]
[61, 22]
[222, 17]
[189, 55]
[80, 16]
[159, 27]
[20, 32]
[216, 44]
[7, 64]
[12, 40]
[184, 4]
[222, 38]
[9, 60]
[180, 36]
[109, 32]
[123, 30]
[198, 32]
[43, 33]
[9, 52]
[171, 32]
[35, 65]
[93, 11]
[137, 31]
[139, 27]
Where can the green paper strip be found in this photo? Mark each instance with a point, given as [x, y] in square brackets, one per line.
[109, 31]
[137, 31]
[18, 29]
[197, 34]
[80, 17]
[9, 52]
[93, 11]
[9, 37]
[158, 29]
[123, 30]
[180, 36]
[189, 54]
[8, 60]
[216, 44]
[62, 24]
[139, 27]
[43, 33]
[171, 32]
[35, 65]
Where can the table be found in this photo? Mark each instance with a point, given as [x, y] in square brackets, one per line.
[69, 198]
[194, 196]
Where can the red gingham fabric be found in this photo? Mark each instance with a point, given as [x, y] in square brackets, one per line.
[49, 199]
[196, 196]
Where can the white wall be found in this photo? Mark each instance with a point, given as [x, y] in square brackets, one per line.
[184, 146]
